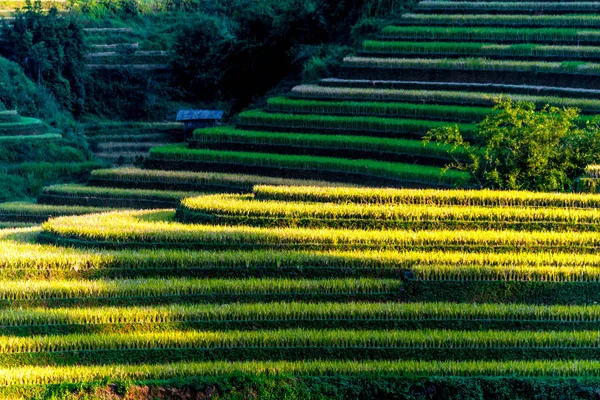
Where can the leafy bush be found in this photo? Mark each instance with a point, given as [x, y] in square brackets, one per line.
[525, 148]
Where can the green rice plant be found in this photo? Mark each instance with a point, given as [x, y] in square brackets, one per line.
[297, 311]
[542, 21]
[468, 198]
[423, 111]
[54, 375]
[152, 291]
[362, 146]
[489, 34]
[475, 64]
[244, 210]
[311, 165]
[481, 49]
[157, 229]
[343, 124]
[304, 338]
[191, 181]
[44, 375]
[567, 7]
[20, 258]
[588, 106]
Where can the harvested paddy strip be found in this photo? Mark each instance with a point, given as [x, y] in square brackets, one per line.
[493, 34]
[297, 344]
[287, 315]
[524, 21]
[157, 229]
[376, 173]
[456, 97]
[356, 125]
[392, 109]
[153, 291]
[79, 195]
[191, 181]
[487, 50]
[245, 210]
[467, 198]
[351, 147]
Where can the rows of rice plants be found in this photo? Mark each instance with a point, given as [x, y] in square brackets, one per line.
[455, 97]
[457, 20]
[157, 229]
[493, 34]
[522, 7]
[390, 127]
[461, 49]
[410, 286]
[78, 195]
[244, 210]
[360, 147]
[305, 167]
[477, 198]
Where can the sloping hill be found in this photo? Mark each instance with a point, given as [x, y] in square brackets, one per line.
[442, 64]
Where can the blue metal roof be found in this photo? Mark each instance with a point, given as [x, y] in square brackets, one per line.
[199, 115]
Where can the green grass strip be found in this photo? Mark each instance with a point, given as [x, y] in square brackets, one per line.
[476, 64]
[224, 135]
[21, 209]
[480, 49]
[469, 198]
[589, 106]
[369, 168]
[412, 110]
[570, 7]
[542, 21]
[157, 229]
[42, 139]
[487, 34]
[345, 124]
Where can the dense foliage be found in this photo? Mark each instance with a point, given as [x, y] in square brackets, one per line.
[524, 148]
[51, 50]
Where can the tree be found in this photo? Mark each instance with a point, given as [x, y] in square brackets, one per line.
[51, 50]
[518, 147]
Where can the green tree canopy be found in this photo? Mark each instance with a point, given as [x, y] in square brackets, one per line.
[520, 147]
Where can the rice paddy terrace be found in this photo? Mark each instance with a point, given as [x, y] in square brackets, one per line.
[274, 285]
[309, 287]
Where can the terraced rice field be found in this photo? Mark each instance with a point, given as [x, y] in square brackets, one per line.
[374, 285]
[295, 277]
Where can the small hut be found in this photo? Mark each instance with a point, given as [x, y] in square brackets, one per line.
[195, 119]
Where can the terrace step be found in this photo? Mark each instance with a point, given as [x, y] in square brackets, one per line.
[474, 70]
[498, 20]
[550, 36]
[462, 86]
[79, 195]
[191, 181]
[508, 7]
